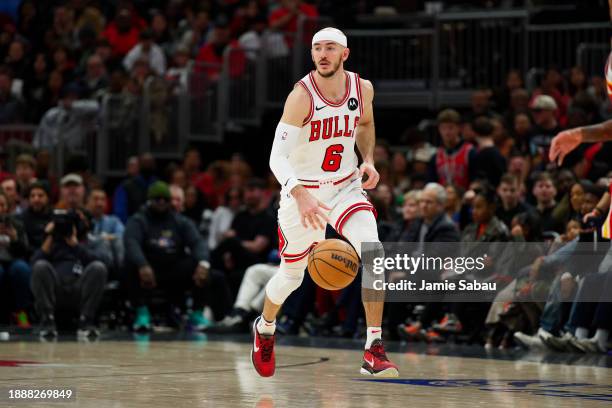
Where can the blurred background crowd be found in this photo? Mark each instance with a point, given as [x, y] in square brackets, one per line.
[192, 242]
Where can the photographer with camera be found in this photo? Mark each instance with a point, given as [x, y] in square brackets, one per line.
[14, 270]
[163, 249]
[67, 275]
[37, 214]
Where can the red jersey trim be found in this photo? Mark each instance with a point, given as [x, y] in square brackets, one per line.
[320, 95]
[350, 211]
[359, 97]
[311, 112]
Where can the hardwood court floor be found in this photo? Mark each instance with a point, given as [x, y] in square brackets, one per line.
[204, 373]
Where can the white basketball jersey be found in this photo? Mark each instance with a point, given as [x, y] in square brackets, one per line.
[326, 147]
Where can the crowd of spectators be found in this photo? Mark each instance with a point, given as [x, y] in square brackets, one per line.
[205, 239]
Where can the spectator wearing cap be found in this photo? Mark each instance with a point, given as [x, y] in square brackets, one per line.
[452, 162]
[25, 172]
[251, 237]
[146, 49]
[543, 108]
[488, 163]
[210, 56]
[165, 250]
[11, 189]
[37, 214]
[67, 123]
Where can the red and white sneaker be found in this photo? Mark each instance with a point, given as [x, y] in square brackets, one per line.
[376, 363]
[262, 353]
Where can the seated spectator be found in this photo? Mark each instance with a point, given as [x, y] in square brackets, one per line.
[146, 49]
[249, 301]
[95, 80]
[452, 161]
[453, 202]
[132, 192]
[11, 108]
[285, 18]
[14, 270]
[165, 250]
[253, 39]
[67, 123]
[177, 198]
[66, 276]
[511, 203]
[198, 35]
[410, 212]
[25, 172]
[37, 214]
[11, 190]
[522, 132]
[194, 205]
[223, 216]
[178, 73]
[544, 192]
[121, 34]
[480, 105]
[488, 163]
[543, 108]
[250, 239]
[211, 54]
[106, 228]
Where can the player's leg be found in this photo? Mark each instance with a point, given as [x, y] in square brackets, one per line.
[358, 225]
[295, 244]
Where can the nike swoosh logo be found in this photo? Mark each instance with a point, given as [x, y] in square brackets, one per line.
[317, 108]
[376, 331]
[255, 348]
[371, 363]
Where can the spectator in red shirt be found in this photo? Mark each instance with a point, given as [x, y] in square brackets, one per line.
[285, 18]
[210, 56]
[121, 33]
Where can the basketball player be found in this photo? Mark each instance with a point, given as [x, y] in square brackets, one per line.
[313, 158]
[568, 140]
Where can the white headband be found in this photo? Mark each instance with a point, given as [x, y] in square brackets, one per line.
[330, 34]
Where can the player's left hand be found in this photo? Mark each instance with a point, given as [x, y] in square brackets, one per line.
[564, 143]
[373, 176]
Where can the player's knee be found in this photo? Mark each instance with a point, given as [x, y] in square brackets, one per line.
[360, 228]
[288, 278]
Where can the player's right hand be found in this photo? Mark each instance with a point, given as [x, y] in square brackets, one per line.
[564, 143]
[311, 209]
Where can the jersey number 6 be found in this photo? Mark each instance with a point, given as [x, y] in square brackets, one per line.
[333, 157]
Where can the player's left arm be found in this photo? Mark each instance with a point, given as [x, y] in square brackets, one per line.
[365, 136]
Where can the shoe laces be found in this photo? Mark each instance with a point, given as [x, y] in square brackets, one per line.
[378, 350]
[267, 347]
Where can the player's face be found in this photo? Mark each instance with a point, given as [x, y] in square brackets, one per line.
[327, 57]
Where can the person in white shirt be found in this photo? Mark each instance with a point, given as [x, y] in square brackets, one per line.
[148, 49]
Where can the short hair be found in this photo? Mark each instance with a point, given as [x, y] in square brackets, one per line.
[543, 176]
[449, 116]
[509, 178]
[482, 126]
[412, 195]
[438, 190]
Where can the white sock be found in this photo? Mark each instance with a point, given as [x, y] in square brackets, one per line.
[373, 334]
[601, 337]
[266, 327]
[582, 333]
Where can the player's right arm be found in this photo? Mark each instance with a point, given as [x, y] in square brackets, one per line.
[568, 140]
[286, 140]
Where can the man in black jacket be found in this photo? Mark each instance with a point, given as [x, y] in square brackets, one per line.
[433, 226]
[38, 214]
[164, 249]
[66, 275]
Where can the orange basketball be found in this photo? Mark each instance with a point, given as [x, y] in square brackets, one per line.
[333, 264]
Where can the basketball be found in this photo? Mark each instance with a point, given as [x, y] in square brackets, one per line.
[333, 264]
